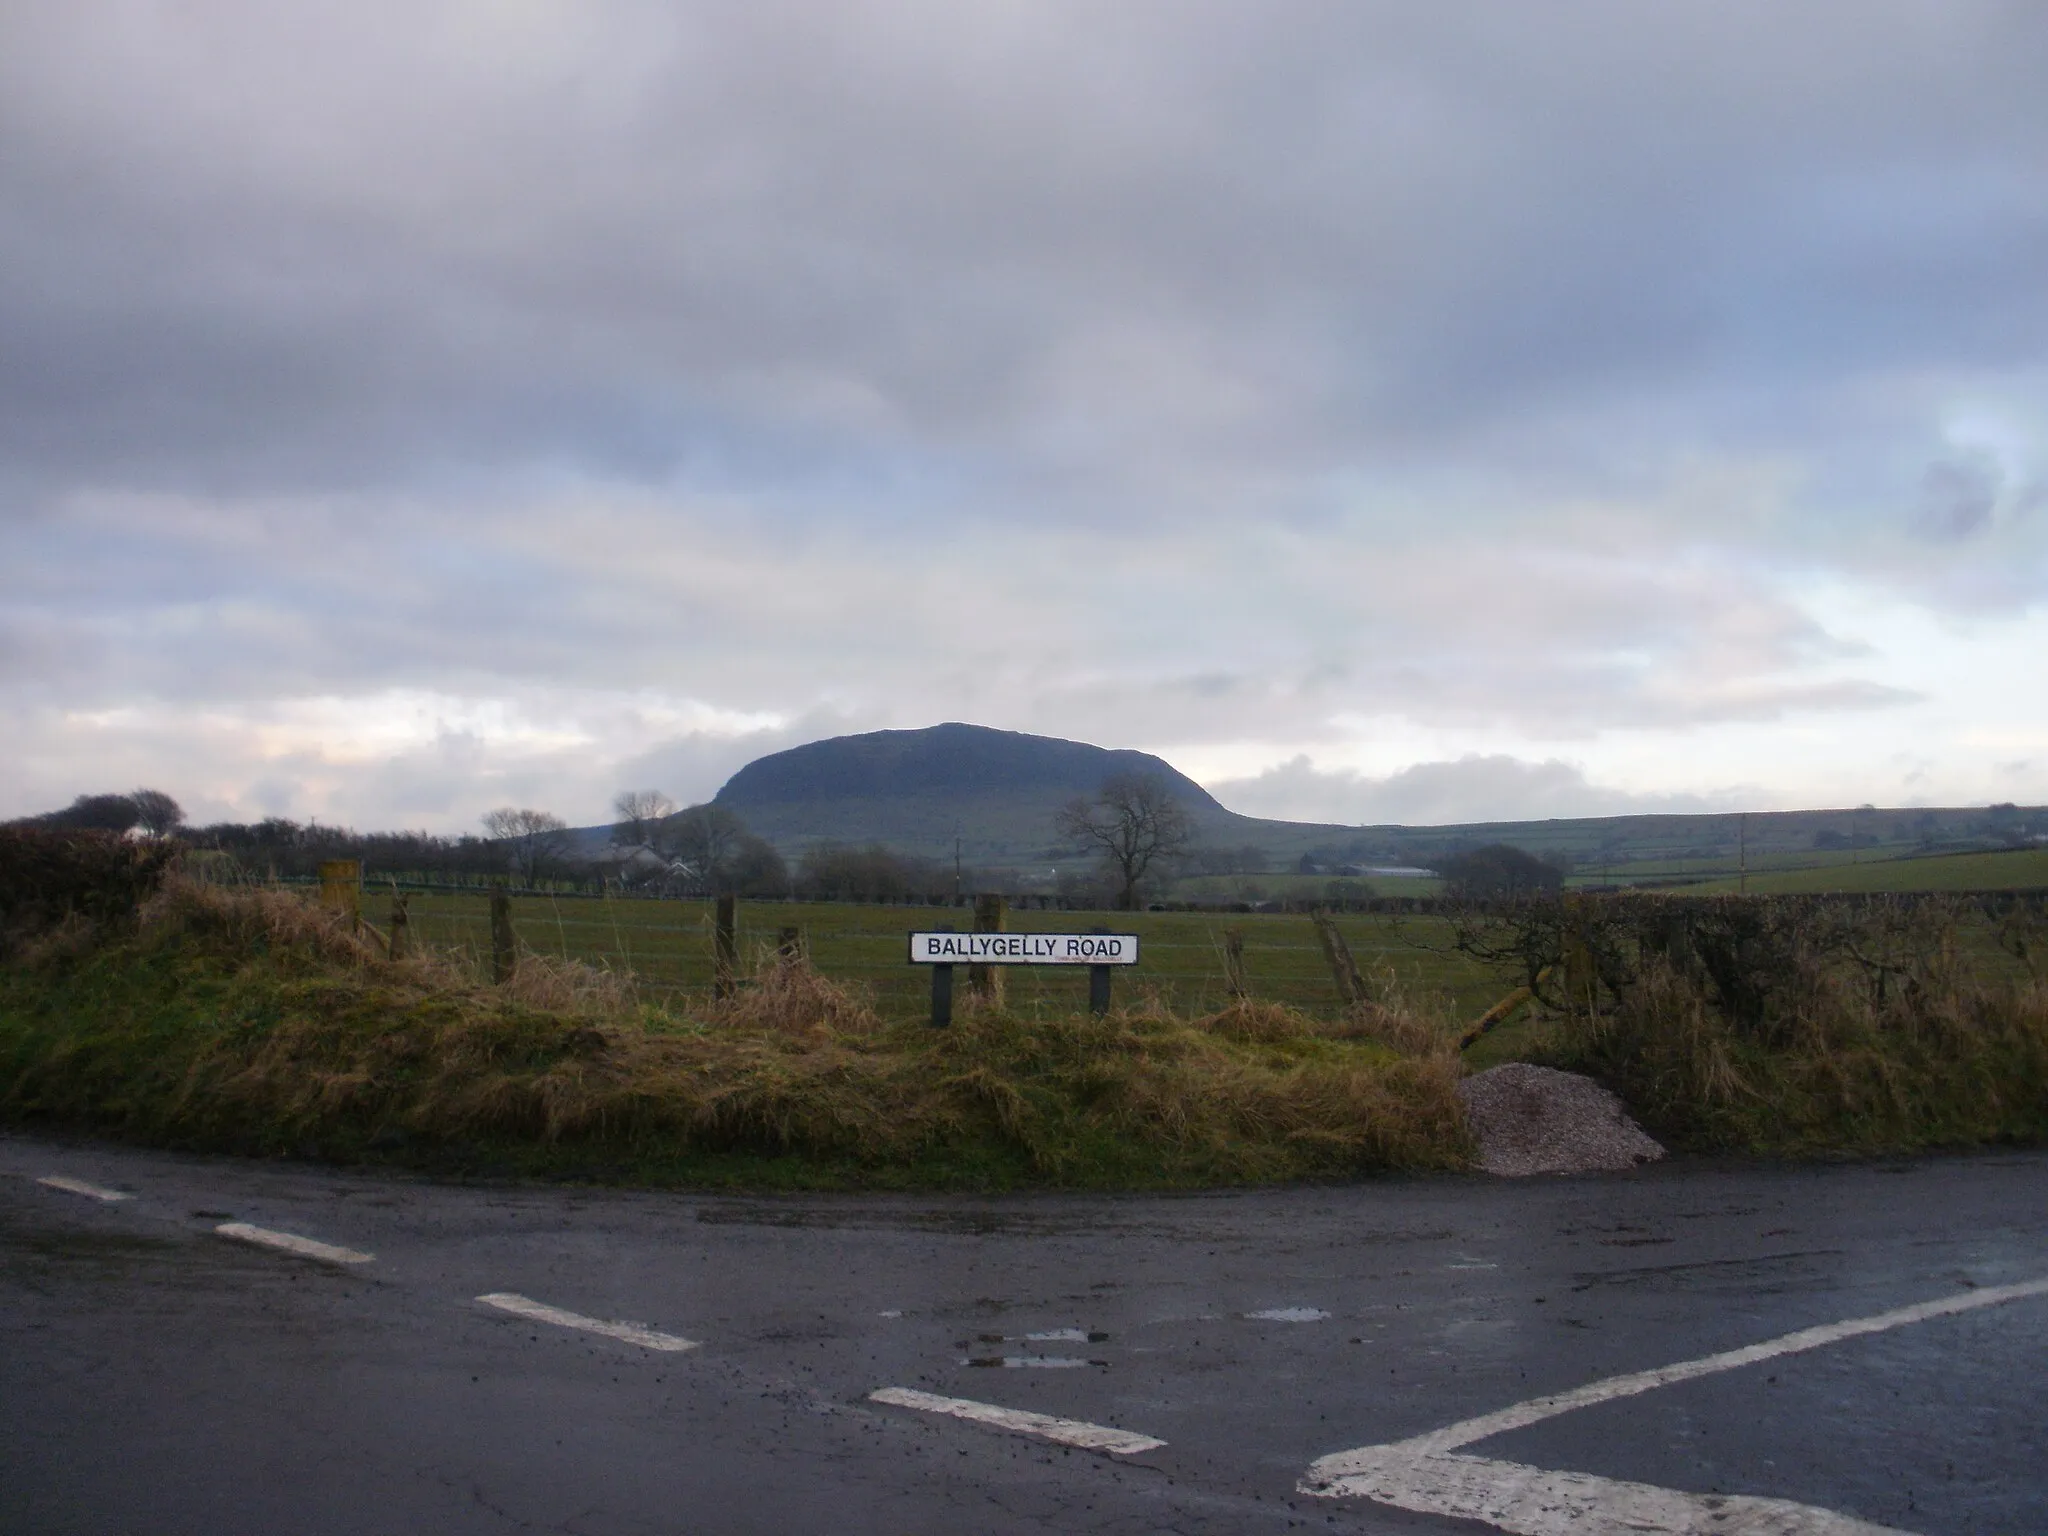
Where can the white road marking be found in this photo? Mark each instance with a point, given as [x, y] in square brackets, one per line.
[1031, 1362]
[1290, 1315]
[80, 1187]
[1074, 1432]
[1532, 1501]
[286, 1242]
[1423, 1473]
[541, 1312]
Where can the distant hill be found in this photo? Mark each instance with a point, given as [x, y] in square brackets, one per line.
[999, 791]
[916, 791]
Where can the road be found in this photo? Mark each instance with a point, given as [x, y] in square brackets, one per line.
[1248, 1361]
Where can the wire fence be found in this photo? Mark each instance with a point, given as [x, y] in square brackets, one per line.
[668, 947]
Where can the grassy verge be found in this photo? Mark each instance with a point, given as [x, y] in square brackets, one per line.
[248, 1021]
[1807, 1028]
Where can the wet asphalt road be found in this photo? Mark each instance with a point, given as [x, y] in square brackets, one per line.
[157, 1377]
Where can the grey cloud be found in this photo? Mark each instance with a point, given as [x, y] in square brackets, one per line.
[690, 768]
[1180, 373]
[1472, 788]
[1957, 499]
[599, 588]
[647, 238]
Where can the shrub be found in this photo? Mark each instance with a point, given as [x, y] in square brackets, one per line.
[1788, 1023]
[50, 876]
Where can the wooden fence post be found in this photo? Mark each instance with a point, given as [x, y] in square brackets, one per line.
[1343, 969]
[504, 945]
[991, 915]
[341, 888]
[395, 942]
[1233, 964]
[725, 947]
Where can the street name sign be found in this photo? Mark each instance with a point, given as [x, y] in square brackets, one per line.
[1023, 949]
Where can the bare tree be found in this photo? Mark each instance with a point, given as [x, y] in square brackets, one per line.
[724, 854]
[640, 812]
[535, 838]
[1134, 824]
[159, 815]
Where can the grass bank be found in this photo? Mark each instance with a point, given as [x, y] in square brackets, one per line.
[247, 1020]
[1794, 1026]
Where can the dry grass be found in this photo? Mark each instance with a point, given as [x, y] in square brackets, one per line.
[249, 1018]
[1939, 1060]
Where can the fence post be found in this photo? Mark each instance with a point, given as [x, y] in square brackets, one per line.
[341, 887]
[395, 945]
[1233, 964]
[1343, 969]
[991, 915]
[1098, 984]
[942, 988]
[725, 947]
[504, 946]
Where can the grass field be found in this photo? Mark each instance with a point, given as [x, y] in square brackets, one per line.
[1297, 887]
[2017, 870]
[667, 945]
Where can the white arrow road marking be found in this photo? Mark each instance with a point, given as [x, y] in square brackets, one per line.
[1531, 1501]
[1074, 1432]
[80, 1187]
[286, 1242]
[1423, 1473]
[541, 1312]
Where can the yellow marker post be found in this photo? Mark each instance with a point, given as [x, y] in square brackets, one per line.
[341, 888]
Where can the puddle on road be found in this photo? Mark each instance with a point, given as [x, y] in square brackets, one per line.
[1044, 1336]
[1290, 1315]
[1781, 1269]
[968, 1223]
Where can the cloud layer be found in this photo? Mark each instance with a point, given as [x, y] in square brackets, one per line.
[407, 408]
[1472, 788]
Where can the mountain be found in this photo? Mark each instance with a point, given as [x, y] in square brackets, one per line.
[997, 792]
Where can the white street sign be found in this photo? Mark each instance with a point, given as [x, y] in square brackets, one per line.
[1023, 949]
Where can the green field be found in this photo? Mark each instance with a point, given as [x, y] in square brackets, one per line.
[668, 946]
[1297, 887]
[2015, 870]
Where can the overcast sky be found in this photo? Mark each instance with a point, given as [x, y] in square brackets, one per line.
[1406, 411]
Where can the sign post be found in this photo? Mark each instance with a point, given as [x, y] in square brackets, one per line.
[942, 949]
[1098, 983]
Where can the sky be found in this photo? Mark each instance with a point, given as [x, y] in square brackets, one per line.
[1383, 411]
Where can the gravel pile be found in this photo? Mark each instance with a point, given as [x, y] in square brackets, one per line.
[1536, 1120]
